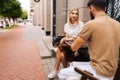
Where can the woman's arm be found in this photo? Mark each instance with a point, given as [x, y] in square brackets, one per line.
[65, 38]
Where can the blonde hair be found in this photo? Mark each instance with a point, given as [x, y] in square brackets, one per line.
[69, 19]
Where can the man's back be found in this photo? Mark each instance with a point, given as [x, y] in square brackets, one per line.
[103, 45]
[103, 37]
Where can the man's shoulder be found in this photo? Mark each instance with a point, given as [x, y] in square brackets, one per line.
[90, 22]
[117, 22]
[113, 21]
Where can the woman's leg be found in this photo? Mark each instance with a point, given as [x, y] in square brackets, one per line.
[54, 72]
[63, 60]
[59, 58]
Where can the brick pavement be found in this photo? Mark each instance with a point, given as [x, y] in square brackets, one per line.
[19, 59]
[44, 44]
[35, 33]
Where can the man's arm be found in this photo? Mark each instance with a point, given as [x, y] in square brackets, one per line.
[77, 43]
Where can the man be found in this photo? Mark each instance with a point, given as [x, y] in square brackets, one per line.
[103, 37]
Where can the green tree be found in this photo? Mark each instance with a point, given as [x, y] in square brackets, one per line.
[16, 10]
[24, 15]
[2, 6]
[0, 16]
[10, 9]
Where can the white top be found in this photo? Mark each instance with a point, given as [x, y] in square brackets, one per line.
[73, 30]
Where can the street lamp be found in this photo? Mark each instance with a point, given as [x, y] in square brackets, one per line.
[36, 0]
[36, 3]
[32, 13]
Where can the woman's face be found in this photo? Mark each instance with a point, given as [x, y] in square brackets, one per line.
[74, 15]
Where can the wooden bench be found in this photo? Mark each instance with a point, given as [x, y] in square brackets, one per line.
[89, 76]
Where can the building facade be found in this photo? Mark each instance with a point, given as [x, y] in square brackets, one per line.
[51, 15]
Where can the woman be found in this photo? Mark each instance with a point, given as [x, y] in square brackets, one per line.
[71, 29]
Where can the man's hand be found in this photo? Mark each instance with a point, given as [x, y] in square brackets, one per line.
[68, 42]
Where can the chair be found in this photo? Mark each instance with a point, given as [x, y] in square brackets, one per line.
[89, 76]
[85, 74]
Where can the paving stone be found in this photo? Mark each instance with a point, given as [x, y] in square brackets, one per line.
[19, 59]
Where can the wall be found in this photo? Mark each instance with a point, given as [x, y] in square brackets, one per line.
[82, 5]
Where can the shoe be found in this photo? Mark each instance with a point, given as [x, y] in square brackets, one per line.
[53, 74]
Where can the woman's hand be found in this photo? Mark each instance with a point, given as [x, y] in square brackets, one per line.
[62, 40]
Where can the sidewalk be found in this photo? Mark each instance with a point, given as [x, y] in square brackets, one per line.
[19, 59]
[35, 33]
[44, 43]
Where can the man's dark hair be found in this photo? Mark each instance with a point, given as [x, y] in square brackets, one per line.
[99, 4]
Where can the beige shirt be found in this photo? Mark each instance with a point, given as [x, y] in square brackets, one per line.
[103, 36]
